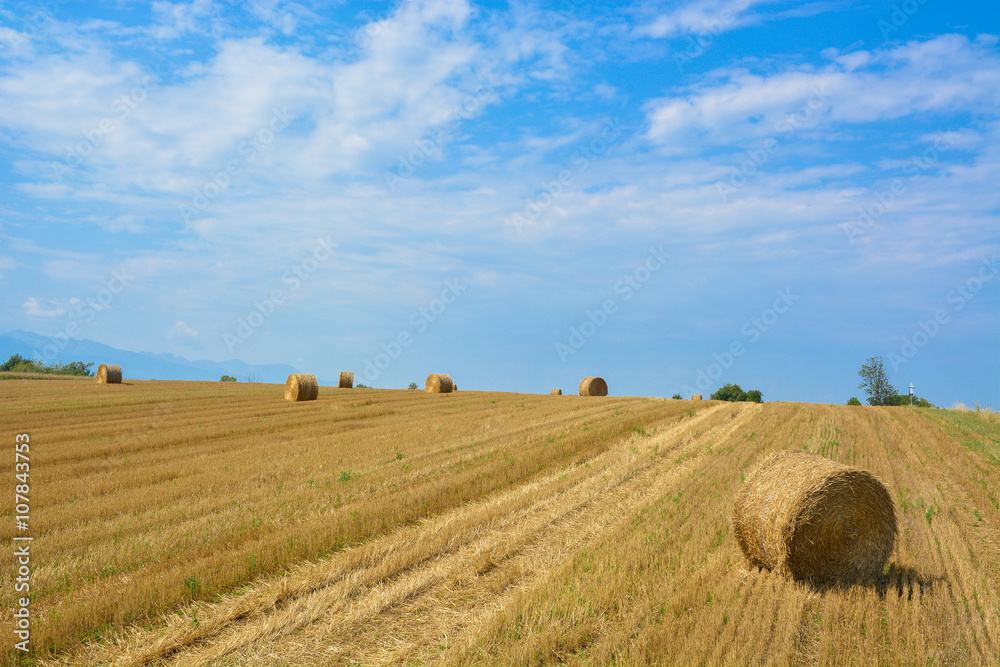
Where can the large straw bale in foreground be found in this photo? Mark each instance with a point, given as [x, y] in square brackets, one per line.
[593, 387]
[346, 380]
[439, 383]
[815, 519]
[301, 387]
[555, 392]
[109, 374]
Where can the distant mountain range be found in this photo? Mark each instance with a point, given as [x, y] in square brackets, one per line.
[139, 365]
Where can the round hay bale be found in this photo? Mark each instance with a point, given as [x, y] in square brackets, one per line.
[109, 374]
[695, 397]
[815, 519]
[439, 383]
[555, 392]
[346, 380]
[593, 387]
[301, 387]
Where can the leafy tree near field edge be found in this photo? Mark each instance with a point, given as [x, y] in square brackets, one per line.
[875, 382]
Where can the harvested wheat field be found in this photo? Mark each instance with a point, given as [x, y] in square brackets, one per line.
[181, 523]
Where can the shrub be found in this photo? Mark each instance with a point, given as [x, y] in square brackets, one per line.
[853, 400]
[227, 378]
[733, 393]
[904, 399]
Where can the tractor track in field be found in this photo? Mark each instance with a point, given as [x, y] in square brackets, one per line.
[405, 596]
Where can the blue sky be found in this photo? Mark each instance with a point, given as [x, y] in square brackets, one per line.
[673, 196]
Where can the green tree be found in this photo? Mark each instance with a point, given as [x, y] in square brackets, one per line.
[853, 400]
[729, 392]
[755, 396]
[677, 396]
[227, 378]
[77, 368]
[875, 382]
[13, 363]
[413, 385]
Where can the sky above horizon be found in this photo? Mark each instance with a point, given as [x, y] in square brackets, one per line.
[673, 196]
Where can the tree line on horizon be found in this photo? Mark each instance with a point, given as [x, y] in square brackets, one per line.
[19, 364]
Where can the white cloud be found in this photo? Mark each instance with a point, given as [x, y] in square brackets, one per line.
[416, 70]
[48, 310]
[943, 75]
[700, 17]
[180, 330]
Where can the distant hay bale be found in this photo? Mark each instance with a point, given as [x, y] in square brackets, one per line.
[593, 387]
[301, 387]
[815, 519]
[109, 374]
[346, 380]
[695, 397]
[555, 392]
[439, 383]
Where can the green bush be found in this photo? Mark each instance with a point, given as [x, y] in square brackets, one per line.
[227, 378]
[730, 392]
[853, 400]
[733, 393]
[904, 399]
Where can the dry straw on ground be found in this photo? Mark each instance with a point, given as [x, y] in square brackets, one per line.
[815, 519]
[109, 374]
[556, 392]
[439, 383]
[346, 380]
[593, 387]
[301, 387]
[695, 397]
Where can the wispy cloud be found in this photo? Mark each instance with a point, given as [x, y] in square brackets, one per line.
[700, 17]
[46, 309]
[943, 75]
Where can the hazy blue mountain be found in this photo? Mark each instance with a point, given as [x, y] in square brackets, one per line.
[139, 365]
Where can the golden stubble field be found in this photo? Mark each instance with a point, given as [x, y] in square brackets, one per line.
[184, 523]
